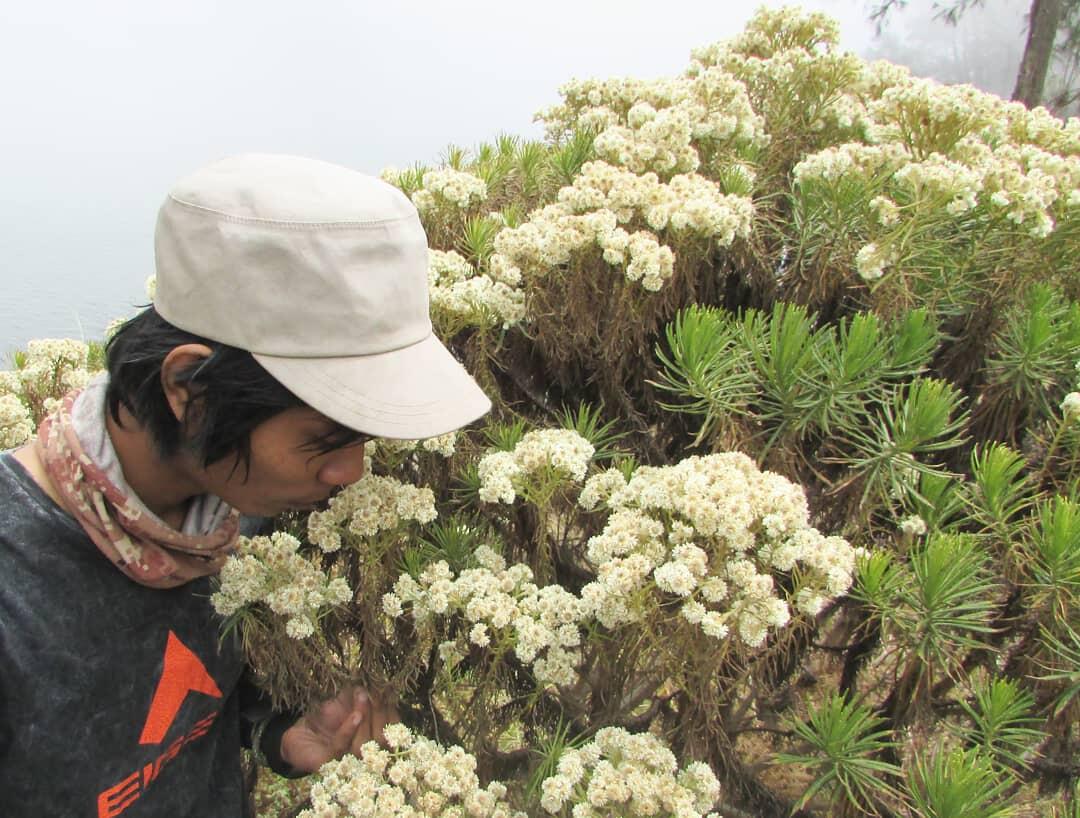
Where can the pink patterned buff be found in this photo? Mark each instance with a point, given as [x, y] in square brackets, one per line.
[143, 547]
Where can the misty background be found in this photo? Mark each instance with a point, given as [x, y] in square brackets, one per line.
[105, 105]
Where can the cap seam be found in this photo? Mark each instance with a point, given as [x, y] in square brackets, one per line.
[335, 356]
[292, 225]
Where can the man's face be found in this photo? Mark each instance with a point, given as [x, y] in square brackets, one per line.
[286, 472]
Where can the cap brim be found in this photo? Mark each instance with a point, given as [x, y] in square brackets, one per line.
[414, 392]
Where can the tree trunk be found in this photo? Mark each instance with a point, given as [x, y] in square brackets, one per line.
[1043, 21]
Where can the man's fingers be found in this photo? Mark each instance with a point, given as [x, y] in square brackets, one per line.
[355, 729]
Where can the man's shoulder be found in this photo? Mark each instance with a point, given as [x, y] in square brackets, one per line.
[25, 506]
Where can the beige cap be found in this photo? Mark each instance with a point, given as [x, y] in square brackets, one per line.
[321, 273]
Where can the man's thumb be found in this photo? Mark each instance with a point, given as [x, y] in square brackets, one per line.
[350, 727]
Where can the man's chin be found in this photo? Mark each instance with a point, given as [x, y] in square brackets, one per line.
[273, 509]
[266, 509]
[309, 506]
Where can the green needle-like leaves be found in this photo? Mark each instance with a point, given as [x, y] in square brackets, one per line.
[709, 366]
[1001, 492]
[958, 784]
[889, 456]
[603, 435]
[846, 740]
[947, 606]
[1054, 553]
[1002, 723]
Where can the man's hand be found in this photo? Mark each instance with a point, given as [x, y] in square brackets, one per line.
[335, 727]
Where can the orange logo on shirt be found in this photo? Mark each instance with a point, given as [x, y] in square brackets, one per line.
[182, 673]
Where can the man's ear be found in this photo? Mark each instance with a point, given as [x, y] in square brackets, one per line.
[179, 360]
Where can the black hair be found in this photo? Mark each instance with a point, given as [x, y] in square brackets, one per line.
[230, 393]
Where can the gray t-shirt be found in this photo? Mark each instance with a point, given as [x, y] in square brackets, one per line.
[115, 699]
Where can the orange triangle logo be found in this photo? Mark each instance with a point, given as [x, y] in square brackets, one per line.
[182, 673]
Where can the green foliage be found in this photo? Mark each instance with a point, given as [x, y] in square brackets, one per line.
[565, 161]
[411, 179]
[1033, 358]
[478, 239]
[938, 500]
[852, 361]
[550, 749]
[1000, 491]
[1062, 666]
[455, 156]
[530, 160]
[454, 541]
[465, 486]
[878, 582]
[95, 356]
[846, 741]
[915, 338]
[787, 369]
[1054, 557]
[504, 437]
[937, 607]
[1002, 723]
[946, 607]
[588, 422]
[709, 367]
[923, 419]
[958, 784]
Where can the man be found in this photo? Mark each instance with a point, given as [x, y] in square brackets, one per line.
[290, 323]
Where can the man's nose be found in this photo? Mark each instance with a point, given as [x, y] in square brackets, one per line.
[343, 467]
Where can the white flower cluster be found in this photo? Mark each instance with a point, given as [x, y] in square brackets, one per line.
[688, 202]
[914, 526]
[710, 531]
[1027, 182]
[372, 504]
[443, 445]
[464, 295]
[654, 141]
[552, 235]
[598, 104]
[788, 54]
[454, 187]
[413, 778]
[878, 75]
[658, 125]
[270, 570]
[850, 159]
[845, 113]
[505, 475]
[16, 425]
[501, 605]
[647, 130]
[871, 261]
[1039, 127]
[941, 179]
[603, 198]
[771, 30]
[53, 367]
[1070, 407]
[885, 210]
[955, 148]
[626, 774]
[929, 116]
